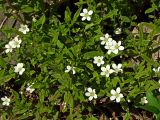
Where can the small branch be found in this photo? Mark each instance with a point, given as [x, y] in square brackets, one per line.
[4, 20]
[16, 13]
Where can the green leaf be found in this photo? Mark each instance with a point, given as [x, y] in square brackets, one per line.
[111, 14]
[42, 95]
[6, 78]
[92, 54]
[2, 62]
[152, 101]
[89, 26]
[90, 66]
[41, 21]
[149, 10]
[27, 9]
[76, 15]
[127, 116]
[147, 59]
[67, 17]
[125, 19]
[150, 109]
[60, 44]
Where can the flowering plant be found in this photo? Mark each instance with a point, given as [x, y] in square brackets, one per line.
[68, 60]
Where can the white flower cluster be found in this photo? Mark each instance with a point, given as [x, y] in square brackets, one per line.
[91, 93]
[156, 70]
[6, 101]
[14, 43]
[111, 45]
[86, 15]
[29, 88]
[69, 68]
[106, 71]
[144, 100]
[116, 95]
[19, 68]
[23, 28]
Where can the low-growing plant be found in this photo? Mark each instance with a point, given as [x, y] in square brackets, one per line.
[70, 59]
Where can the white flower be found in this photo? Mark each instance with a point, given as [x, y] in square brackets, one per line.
[15, 43]
[116, 95]
[8, 48]
[6, 101]
[156, 70]
[144, 100]
[98, 60]
[29, 88]
[105, 39]
[19, 68]
[116, 46]
[106, 71]
[118, 31]
[91, 93]
[34, 19]
[69, 68]
[24, 29]
[117, 68]
[86, 14]
[159, 81]
[108, 45]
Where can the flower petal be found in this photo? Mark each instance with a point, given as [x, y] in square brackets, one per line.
[113, 92]
[118, 90]
[113, 97]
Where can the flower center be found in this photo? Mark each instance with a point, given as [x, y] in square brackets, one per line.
[86, 15]
[92, 93]
[99, 60]
[24, 28]
[117, 95]
[116, 46]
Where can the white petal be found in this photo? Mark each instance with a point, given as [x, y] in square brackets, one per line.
[106, 35]
[118, 99]
[87, 93]
[90, 12]
[112, 97]
[103, 68]
[119, 66]
[21, 72]
[119, 43]
[85, 10]
[89, 89]
[95, 96]
[3, 99]
[89, 18]
[109, 51]
[113, 92]
[81, 14]
[101, 38]
[111, 71]
[115, 51]
[118, 90]
[107, 75]
[121, 95]
[90, 98]
[121, 48]
[107, 67]
[83, 18]
[114, 66]
[74, 72]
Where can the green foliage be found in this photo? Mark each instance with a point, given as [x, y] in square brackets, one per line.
[59, 38]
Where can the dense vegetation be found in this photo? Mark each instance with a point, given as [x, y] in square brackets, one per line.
[80, 59]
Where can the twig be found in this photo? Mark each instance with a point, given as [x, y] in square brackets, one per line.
[4, 20]
[16, 13]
